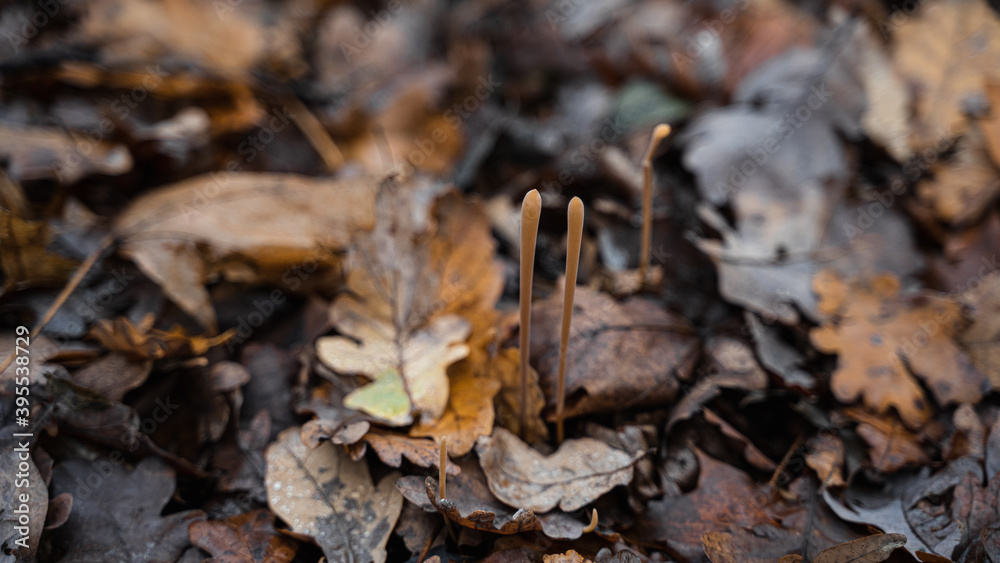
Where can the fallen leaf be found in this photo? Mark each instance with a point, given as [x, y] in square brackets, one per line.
[244, 226]
[506, 368]
[53, 154]
[578, 473]
[324, 494]
[892, 445]
[946, 50]
[141, 341]
[878, 331]
[981, 339]
[416, 281]
[741, 545]
[964, 185]
[26, 260]
[247, 538]
[621, 355]
[385, 398]
[469, 413]
[114, 375]
[392, 448]
[471, 504]
[826, 458]
[725, 500]
[118, 518]
[872, 549]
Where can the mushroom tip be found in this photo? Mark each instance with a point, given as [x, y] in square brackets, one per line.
[576, 203]
[661, 131]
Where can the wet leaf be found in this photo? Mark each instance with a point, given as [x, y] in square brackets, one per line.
[471, 504]
[878, 331]
[872, 549]
[118, 518]
[579, 472]
[247, 538]
[644, 348]
[324, 494]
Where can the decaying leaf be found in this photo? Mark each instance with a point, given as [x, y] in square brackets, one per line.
[143, 342]
[872, 549]
[892, 445]
[416, 281]
[469, 413]
[883, 340]
[621, 354]
[392, 448]
[575, 475]
[506, 368]
[247, 538]
[25, 260]
[826, 458]
[243, 226]
[118, 518]
[34, 153]
[471, 504]
[322, 493]
[726, 500]
[744, 546]
[981, 339]
[964, 185]
[947, 50]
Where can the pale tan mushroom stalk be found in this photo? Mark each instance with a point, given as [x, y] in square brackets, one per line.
[593, 522]
[441, 465]
[574, 234]
[531, 210]
[659, 133]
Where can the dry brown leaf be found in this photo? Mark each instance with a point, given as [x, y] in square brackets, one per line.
[33, 154]
[883, 340]
[578, 473]
[471, 504]
[741, 546]
[417, 281]
[392, 448]
[227, 39]
[469, 413]
[570, 556]
[966, 184]
[872, 549]
[826, 458]
[25, 260]
[246, 227]
[947, 50]
[114, 375]
[143, 342]
[324, 494]
[621, 354]
[981, 339]
[893, 446]
[247, 538]
[506, 368]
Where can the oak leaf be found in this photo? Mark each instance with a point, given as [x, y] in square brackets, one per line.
[246, 538]
[947, 50]
[469, 413]
[119, 518]
[392, 448]
[322, 493]
[578, 473]
[245, 227]
[416, 283]
[884, 340]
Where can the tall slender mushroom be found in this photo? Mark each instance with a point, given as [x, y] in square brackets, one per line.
[574, 234]
[531, 210]
[442, 464]
[659, 133]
